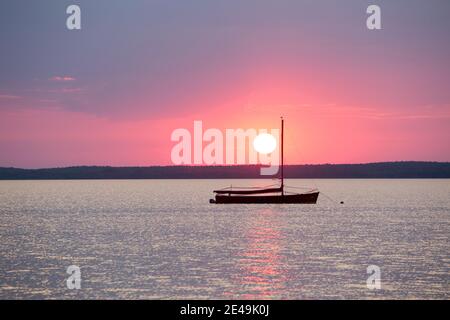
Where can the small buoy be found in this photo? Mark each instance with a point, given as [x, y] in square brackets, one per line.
[342, 202]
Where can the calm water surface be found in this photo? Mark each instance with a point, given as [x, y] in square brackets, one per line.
[161, 239]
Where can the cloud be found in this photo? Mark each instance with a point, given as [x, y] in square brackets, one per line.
[62, 78]
[8, 96]
[72, 90]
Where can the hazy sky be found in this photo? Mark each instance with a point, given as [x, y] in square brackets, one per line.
[112, 92]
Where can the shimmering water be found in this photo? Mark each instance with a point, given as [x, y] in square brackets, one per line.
[161, 239]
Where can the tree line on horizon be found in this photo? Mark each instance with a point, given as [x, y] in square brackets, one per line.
[410, 169]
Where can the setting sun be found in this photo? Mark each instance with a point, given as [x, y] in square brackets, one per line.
[264, 143]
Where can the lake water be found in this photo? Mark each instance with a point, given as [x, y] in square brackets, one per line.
[161, 239]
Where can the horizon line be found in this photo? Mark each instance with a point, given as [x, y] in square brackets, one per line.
[221, 165]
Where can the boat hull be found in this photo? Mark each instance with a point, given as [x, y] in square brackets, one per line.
[306, 198]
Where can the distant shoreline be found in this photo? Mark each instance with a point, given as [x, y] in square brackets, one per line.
[378, 170]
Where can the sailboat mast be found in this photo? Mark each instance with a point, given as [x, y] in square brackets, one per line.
[282, 153]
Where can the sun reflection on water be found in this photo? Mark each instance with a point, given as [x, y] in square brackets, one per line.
[260, 264]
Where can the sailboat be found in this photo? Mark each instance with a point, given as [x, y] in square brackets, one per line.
[270, 194]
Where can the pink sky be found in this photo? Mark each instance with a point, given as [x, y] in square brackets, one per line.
[314, 134]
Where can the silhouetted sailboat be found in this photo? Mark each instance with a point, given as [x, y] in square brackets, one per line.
[270, 194]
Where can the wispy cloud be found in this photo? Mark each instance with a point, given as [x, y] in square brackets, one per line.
[332, 110]
[62, 78]
[9, 96]
[72, 90]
